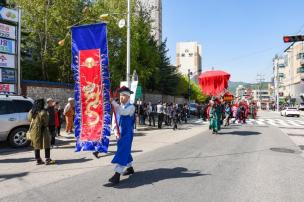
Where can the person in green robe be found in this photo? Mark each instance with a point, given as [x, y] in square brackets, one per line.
[252, 111]
[38, 132]
[214, 117]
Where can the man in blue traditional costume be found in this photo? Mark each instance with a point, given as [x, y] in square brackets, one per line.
[125, 118]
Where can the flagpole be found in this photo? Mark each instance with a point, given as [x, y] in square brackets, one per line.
[128, 43]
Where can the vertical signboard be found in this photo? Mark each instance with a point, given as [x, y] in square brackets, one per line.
[10, 50]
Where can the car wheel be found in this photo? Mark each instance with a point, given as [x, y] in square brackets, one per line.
[17, 137]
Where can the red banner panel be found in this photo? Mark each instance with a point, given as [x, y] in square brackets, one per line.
[91, 95]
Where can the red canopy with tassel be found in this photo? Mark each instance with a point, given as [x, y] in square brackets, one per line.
[213, 82]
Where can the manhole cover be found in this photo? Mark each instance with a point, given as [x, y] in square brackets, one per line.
[284, 150]
[301, 147]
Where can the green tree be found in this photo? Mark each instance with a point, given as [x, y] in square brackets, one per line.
[45, 22]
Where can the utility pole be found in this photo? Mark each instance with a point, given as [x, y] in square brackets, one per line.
[260, 79]
[276, 84]
[189, 87]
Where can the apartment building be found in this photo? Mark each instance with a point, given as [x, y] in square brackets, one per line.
[189, 57]
[289, 72]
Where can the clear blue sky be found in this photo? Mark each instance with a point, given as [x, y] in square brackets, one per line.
[238, 36]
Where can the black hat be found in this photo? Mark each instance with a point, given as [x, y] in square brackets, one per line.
[125, 89]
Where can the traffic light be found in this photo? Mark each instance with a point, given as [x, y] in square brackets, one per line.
[290, 39]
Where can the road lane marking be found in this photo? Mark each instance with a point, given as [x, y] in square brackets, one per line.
[271, 122]
[293, 123]
[281, 122]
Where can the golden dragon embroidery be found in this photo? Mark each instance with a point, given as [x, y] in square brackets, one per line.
[92, 99]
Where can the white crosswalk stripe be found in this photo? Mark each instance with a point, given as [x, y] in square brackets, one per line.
[271, 122]
[281, 122]
[287, 123]
[293, 123]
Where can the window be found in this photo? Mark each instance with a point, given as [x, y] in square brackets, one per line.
[300, 70]
[183, 54]
[300, 56]
[190, 54]
[5, 107]
[21, 106]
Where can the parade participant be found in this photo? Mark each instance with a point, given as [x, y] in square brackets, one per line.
[227, 114]
[69, 113]
[39, 133]
[234, 110]
[52, 125]
[213, 117]
[242, 114]
[252, 111]
[160, 115]
[219, 114]
[151, 114]
[58, 117]
[125, 115]
[174, 115]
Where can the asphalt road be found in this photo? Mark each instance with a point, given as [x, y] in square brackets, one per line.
[242, 163]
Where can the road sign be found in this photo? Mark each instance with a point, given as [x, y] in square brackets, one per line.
[8, 14]
[7, 88]
[7, 46]
[7, 31]
[7, 60]
[8, 76]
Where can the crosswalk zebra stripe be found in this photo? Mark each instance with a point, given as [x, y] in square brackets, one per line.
[281, 122]
[299, 122]
[260, 122]
[292, 123]
[271, 122]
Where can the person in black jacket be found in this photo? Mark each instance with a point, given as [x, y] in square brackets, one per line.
[51, 114]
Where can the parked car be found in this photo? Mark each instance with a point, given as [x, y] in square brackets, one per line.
[290, 111]
[13, 119]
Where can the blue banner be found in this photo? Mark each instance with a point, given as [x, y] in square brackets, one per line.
[92, 87]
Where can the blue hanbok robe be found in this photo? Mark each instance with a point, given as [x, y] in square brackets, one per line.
[126, 125]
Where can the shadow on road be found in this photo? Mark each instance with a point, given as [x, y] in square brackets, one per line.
[112, 153]
[10, 176]
[69, 161]
[137, 134]
[241, 133]
[18, 160]
[151, 176]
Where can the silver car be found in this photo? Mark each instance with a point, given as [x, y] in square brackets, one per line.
[13, 119]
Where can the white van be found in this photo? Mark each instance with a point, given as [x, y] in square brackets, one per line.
[13, 119]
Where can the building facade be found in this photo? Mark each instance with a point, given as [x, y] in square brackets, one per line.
[289, 72]
[280, 74]
[155, 9]
[189, 57]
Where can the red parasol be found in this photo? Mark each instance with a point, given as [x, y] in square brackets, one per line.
[213, 82]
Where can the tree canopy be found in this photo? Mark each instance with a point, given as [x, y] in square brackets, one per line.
[46, 22]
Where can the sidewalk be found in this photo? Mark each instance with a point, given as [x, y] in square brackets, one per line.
[19, 172]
